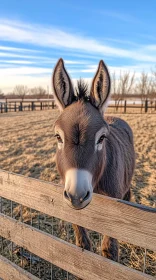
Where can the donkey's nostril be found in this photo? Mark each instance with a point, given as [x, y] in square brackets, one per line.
[67, 195]
[85, 197]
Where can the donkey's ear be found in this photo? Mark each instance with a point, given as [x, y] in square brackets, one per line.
[100, 89]
[62, 86]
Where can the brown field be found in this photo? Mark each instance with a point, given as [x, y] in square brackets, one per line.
[27, 147]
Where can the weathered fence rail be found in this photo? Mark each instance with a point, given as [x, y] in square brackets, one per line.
[31, 105]
[9, 271]
[104, 215]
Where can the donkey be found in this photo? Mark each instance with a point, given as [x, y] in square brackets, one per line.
[94, 154]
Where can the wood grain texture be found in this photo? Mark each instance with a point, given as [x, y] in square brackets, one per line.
[10, 271]
[81, 263]
[105, 215]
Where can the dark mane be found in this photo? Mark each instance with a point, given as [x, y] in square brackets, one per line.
[82, 92]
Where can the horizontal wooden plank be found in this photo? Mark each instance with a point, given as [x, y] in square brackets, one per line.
[127, 222]
[81, 263]
[10, 271]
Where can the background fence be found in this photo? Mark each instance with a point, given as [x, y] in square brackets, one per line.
[26, 105]
[42, 252]
[124, 106]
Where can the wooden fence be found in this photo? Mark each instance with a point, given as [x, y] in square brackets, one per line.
[124, 106]
[26, 105]
[105, 215]
[32, 105]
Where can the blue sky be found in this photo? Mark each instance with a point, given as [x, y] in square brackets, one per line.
[35, 34]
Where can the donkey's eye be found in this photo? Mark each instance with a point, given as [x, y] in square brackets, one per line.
[103, 136]
[59, 139]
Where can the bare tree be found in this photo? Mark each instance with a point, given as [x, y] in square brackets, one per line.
[152, 90]
[144, 86]
[1, 94]
[114, 88]
[21, 91]
[153, 85]
[113, 84]
[38, 92]
[123, 86]
[126, 83]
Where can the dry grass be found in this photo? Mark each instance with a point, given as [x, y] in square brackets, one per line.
[27, 147]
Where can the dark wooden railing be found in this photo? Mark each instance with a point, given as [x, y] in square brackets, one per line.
[45, 104]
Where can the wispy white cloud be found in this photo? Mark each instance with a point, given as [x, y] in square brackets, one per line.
[27, 70]
[5, 48]
[34, 68]
[11, 62]
[148, 37]
[75, 62]
[19, 71]
[122, 42]
[7, 54]
[118, 15]
[35, 59]
[136, 68]
[17, 31]
[151, 48]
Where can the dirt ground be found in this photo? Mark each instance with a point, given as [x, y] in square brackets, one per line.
[27, 146]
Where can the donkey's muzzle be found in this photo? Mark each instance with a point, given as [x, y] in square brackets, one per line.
[77, 203]
[78, 188]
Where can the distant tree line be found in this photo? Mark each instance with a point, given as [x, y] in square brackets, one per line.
[23, 92]
[127, 85]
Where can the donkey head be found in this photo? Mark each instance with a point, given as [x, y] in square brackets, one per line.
[81, 132]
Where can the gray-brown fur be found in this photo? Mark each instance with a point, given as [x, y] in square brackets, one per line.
[112, 167]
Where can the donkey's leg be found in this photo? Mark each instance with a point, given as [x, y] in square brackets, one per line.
[82, 239]
[110, 248]
[127, 196]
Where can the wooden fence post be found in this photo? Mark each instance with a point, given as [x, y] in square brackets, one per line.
[146, 106]
[15, 107]
[21, 106]
[1, 107]
[32, 106]
[6, 107]
[41, 105]
[125, 106]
